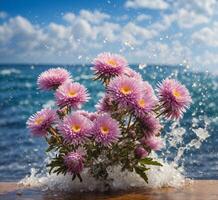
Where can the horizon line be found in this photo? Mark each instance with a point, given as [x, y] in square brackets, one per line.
[140, 63]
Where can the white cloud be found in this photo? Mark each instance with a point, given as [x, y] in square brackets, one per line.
[161, 53]
[108, 31]
[150, 4]
[21, 25]
[189, 19]
[63, 42]
[87, 24]
[69, 17]
[3, 14]
[163, 24]
[95, 17]
[59, 31]
[136, 34]
[200, 6]
[21, 34]
[5, 34]
[207, 35]
[82, 29]
[184, 18]
[143, 17]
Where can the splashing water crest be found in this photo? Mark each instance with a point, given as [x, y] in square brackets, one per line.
[170, 174]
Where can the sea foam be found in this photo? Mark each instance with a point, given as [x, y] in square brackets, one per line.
[171, 174]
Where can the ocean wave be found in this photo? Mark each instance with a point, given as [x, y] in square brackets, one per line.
[5, 72]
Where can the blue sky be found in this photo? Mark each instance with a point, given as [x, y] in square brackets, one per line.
[145, 31]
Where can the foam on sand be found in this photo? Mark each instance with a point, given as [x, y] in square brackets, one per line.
[170, 174]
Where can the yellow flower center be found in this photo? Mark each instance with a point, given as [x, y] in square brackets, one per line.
[112, 62]
[76, 128]
[176, 93]
[39, 120]
[104, 130]
[141, 103]
[126, 90]
[72, 93]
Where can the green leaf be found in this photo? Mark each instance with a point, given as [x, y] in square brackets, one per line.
[80, 178]
[50, 148]
[73, 177]
[142, 173]
[149, 161]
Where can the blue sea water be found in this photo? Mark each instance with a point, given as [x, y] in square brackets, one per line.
[19, 98]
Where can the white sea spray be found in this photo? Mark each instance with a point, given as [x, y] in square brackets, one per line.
[49, 104]
[170, 174]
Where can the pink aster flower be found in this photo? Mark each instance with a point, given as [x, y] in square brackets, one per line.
[124, 90]
[90, 115]
[53, 78]
[132, 74]
[83, 113]
[143, 105]
[71, 94]
[174, 97]
[148, 90]
[75, 128]
[104, 104]
[93, 116]
[151, 126]
[109, 65]
[154, 143]
[106, 130]
[141, 153]
[41, 121]
[74, 162]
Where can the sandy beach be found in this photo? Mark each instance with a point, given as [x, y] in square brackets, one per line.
[199, 190]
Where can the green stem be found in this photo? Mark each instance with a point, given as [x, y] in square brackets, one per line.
[63, 111]
[68, 109]
[134, 123]
[129, 122]
[106, 81]
[53, 132]
[163, 112]
[158, 107]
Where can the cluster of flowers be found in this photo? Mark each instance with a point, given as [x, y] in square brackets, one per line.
[124, 129]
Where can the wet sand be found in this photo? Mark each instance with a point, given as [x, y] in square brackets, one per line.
[197, 190]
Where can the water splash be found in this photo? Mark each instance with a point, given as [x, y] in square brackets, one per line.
[158, 177]
[170, 174]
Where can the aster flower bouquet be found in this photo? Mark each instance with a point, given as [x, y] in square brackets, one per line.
[123, 131]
